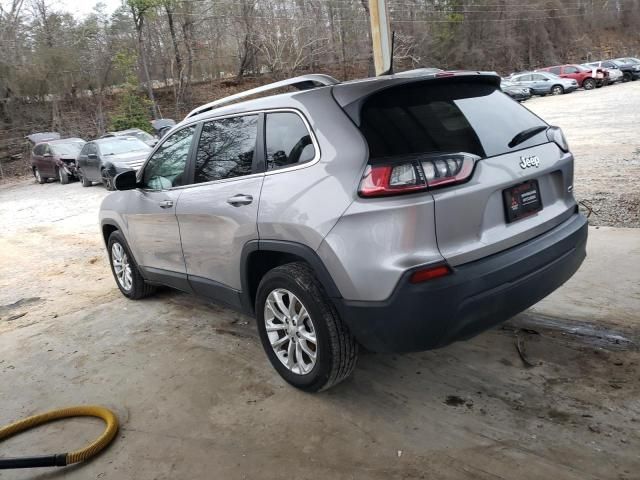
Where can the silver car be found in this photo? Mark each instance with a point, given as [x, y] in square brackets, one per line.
[544, 83]
[399, 213]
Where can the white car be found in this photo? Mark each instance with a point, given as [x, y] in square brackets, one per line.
[615, 74]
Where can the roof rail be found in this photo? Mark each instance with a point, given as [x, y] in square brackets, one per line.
[303, 82]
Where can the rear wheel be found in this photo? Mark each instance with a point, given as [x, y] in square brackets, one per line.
[301, 331]
[589, 84]
[125, 270]
[63, 176]
[626, 77]
[83, 179]
[557, 90]
[39, 178]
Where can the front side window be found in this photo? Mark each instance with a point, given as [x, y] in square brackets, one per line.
[288, 141]
[38, 150]
[570, 70]
[226, 148]
[166, 167]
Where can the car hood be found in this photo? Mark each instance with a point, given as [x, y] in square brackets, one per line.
[129, 157]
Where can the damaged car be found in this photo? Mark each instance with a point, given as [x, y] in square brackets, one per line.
[55, 158]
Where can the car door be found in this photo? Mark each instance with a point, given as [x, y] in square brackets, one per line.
[153, 232]
[36, 157]
[48, 165]
[540, 83]
[218, 213]
[91, 162]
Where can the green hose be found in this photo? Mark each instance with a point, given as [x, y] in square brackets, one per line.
[61, 459]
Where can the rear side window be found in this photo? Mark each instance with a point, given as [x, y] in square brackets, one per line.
[555, 70]
[226, 148]
[288, 141]
[445, 117]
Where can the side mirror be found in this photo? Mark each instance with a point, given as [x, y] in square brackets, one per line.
[126, 180]
[92, 156]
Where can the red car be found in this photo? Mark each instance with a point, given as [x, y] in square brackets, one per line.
[582, 75]
[56, 159]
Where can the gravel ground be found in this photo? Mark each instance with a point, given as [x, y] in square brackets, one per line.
[603, 130]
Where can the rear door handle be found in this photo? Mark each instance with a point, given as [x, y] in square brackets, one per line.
[166, 204]
[240, 199]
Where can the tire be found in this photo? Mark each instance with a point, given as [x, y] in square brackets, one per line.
[137, 288]
[83, 179]
[107, 180]
[557, 90]
[626, 77]
[63, 176]
[589, 84]
[39, 178]
[336, 351]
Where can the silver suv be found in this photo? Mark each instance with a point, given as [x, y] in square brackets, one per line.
[399, 213]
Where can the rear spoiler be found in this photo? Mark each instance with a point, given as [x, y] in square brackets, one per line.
[352, 95]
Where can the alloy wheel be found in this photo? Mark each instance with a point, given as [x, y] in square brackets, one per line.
[291, 332]
[121, 266]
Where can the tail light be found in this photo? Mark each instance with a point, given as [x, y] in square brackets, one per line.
[554, 134]
[418, 174]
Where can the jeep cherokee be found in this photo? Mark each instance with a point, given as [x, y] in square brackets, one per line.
[399, 213]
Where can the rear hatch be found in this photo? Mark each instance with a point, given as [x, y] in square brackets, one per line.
[519, 185]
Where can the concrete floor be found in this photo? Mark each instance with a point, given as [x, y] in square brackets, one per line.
[197, 398]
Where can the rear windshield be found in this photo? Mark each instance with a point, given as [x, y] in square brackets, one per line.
[71, 148]
[455, 117]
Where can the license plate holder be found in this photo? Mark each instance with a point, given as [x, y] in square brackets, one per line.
[522, 200]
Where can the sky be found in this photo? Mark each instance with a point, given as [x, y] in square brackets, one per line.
[81, 8]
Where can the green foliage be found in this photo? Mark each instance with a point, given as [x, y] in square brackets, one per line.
[133, 111]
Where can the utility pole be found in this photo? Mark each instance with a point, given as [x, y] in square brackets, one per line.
[380, 35]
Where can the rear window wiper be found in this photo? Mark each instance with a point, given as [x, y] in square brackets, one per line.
[525, 135]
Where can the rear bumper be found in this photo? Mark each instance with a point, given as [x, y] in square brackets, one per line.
[477, 296]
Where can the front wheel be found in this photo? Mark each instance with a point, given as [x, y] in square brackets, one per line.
[125, 270]
[589, 84]
[627, 77]
[63, 176]
[107, 180]
[557, 90]
[303, 336]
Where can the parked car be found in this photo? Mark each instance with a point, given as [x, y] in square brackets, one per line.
[134, 132]
[56, 159]
[543, 83]
[631, 60]
[630, 70]
[101, 160]
[582, 75]
[162, 126]
[398, 213]
[615, 74]
[514, 91]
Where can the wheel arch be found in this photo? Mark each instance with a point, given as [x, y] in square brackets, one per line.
[260, 256]
[108, 228]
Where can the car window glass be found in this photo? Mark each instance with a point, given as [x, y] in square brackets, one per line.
[537, 77]
[166, 167]
[226, 148]
[46, 149]
[555, 70]
[570, 70]
[525, 78]
[288, 141]
[92, 149]
[37, 150]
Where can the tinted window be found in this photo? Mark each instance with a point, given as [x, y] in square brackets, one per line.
[431, 117]
[226, 148]
[38, 150]
[568, 70]
[288, 141]
[165, 169]
[555, 70]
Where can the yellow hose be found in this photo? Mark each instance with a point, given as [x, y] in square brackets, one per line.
[80, 411]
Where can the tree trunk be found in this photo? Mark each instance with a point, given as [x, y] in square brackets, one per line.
[178, 91]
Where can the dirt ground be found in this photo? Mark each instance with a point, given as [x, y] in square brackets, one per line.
[197, 398]
[603, 130]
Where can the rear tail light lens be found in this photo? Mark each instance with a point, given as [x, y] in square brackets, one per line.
[420, 173]
[555, 135]
[430, 273]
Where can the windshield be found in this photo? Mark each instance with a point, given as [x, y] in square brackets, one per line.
[618, 62]
[446, 118]
[140, 135]
[70, 148]
[116, 146]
